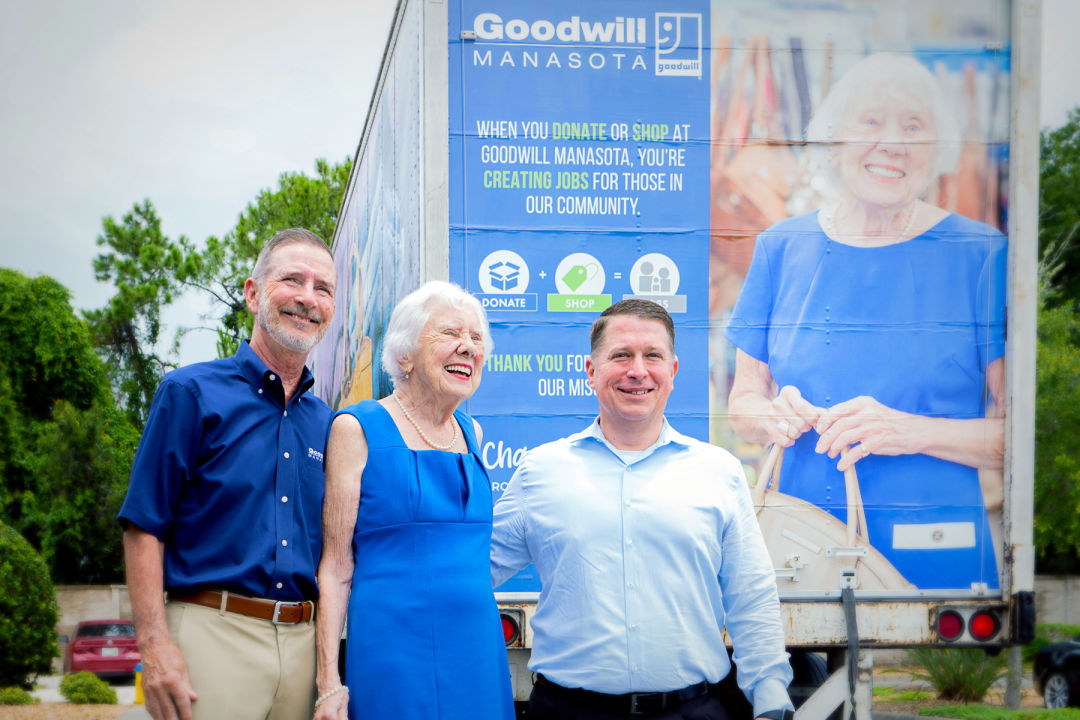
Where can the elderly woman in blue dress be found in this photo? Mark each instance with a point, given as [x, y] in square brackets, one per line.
[407, 532]
[871, 333]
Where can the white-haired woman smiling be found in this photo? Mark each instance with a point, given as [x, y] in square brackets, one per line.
[407, 532]
[878, 324]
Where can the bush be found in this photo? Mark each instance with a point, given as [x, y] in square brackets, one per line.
[963, 674]
[28, 611]
[86, 688]
[1047, 633]
[16, 696]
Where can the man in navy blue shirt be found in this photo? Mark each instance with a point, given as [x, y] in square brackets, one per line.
[224, 507]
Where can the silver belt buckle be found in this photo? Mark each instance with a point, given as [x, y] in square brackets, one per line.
[277, 612]
[635, 710]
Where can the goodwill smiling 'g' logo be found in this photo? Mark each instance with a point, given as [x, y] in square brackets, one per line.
[678, 44]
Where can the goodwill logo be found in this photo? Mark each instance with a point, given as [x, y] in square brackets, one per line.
[678, 44]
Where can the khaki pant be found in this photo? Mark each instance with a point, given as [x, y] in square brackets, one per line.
[244, 668]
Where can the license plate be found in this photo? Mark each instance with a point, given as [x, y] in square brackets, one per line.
[110, 652]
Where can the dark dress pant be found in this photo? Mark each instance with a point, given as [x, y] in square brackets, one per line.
[547, 703]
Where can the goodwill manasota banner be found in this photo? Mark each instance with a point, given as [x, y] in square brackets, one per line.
[815, 192]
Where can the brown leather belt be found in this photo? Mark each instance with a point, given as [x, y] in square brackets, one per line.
[276, 611]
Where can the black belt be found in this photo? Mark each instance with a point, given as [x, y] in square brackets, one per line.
[638, 703]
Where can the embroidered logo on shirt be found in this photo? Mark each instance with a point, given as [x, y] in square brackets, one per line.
[314, 454]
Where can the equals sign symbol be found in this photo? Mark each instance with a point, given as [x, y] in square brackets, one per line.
[617, 276]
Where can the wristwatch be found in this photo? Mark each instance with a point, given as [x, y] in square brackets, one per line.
[782, 714]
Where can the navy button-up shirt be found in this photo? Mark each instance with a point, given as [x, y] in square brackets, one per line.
[231, 479]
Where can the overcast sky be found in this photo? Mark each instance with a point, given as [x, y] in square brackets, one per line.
[199, 104]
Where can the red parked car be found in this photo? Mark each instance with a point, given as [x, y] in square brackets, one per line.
[104, 647]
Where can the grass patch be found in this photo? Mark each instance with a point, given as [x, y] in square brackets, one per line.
[986, 712]
[895, 694]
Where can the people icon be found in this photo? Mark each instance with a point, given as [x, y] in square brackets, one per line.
[652, 284]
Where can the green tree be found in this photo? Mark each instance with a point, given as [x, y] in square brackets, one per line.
[298, 201]
[45, 357]
[83, 478]
[65, 451]
[148, 270]
[1057, 401]
[1059, 204]
[1057, 464]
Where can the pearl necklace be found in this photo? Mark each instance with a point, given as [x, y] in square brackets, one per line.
[828, 224]
[424, 434]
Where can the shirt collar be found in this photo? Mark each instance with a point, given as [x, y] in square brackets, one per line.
[258, 374]
[668, 435]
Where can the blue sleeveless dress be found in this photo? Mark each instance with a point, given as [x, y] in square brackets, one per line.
[424, 637]
[914, 325]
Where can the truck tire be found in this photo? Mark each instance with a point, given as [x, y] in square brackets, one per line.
[809, 671]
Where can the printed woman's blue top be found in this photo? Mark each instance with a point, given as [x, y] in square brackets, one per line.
[915, 326]
[424, 637]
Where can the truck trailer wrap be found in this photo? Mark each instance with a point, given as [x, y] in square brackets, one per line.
[555, 158]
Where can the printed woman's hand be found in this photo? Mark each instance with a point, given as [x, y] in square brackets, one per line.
[863, 426]
[790, 415]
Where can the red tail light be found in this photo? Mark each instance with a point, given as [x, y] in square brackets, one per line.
[510, 628]
[950, 625]
[983, 625]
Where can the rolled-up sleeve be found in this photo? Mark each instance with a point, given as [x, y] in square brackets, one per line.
[752, 608]
[509, 546]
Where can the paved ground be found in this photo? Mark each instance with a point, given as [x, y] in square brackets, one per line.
[884, 676]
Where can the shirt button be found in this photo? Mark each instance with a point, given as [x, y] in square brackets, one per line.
[284, 498]
[260, 391]
[284, 543]
[286, 454]
[629, 542]
[633, 627]
[286, 413]
[279, 586]
[272, 376]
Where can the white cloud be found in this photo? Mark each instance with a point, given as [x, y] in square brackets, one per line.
[194, 104]
[1060, 91]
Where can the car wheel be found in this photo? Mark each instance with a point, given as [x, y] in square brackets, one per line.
[1056, 692]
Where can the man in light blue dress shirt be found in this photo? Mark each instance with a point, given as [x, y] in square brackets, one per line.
[647, 544]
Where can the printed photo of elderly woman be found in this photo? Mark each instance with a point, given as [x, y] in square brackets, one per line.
[871, 332]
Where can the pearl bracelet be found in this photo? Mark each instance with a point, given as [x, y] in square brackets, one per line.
[327, 695]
